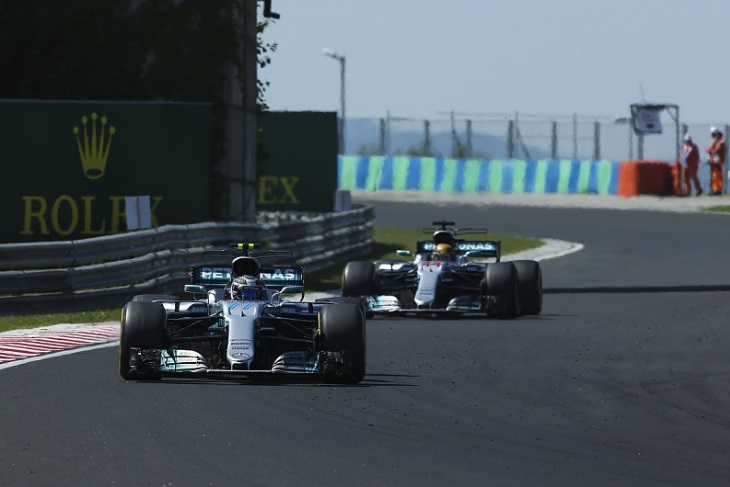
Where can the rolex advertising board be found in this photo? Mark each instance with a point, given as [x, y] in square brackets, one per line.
[299, 167]
[69, 166]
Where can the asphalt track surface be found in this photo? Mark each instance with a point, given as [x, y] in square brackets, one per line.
[623, 380]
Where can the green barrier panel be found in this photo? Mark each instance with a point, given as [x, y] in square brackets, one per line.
[375, 168]
[584, 176]
[348, 172]
[565, 169]
[299, 172]
[605, 175]
[428, 174]
[400, 172]
[520, 174]
[68, 166]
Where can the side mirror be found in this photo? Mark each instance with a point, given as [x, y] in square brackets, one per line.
[482, 255]
[276, 298]
[195, 288]
[292, 290]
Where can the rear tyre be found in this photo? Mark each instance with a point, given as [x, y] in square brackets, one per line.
[142, 326]
[342, 327]
[358, 279]
[500, 283]
[529, 277]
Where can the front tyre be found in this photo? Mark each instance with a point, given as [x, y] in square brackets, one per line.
[501, 289]
[529, 277]
[142, 326]
[342, 328]
[344, 300]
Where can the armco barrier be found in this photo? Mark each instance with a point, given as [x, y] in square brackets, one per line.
[478, 175]
[107, 271]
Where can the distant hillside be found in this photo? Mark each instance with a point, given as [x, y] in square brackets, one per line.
[363, 137]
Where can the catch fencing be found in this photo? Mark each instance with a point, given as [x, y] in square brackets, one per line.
[518, 136]
[107, 271]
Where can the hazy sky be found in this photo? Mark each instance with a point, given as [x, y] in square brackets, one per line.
[419, 58]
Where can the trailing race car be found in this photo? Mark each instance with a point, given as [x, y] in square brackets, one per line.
[449, 276]
[238, 323]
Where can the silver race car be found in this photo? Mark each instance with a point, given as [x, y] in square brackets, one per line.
[239, 321]
[450, 276]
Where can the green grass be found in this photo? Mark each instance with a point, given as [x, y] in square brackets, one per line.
[387, 241]
[718, 209]
[33, 321]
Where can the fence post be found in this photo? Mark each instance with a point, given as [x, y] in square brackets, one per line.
[382, 136]
[575, 136]
[554, 140]
[596, 141]
[427, 137]
[640, 146]
[468, 138]
[387, 133]
[511, 139]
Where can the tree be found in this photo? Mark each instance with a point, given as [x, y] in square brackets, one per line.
[172, 50]
[120, 49]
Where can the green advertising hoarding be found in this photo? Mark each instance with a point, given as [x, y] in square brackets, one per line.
[299, 168]
[68, 166]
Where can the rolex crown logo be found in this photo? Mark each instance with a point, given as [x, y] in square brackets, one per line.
[94, 146]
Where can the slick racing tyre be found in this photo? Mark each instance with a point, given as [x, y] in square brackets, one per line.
[154, 297]
[529, 277]
[342, 327]
[344, 300]
[142, 326]
[358, 279]
[501, 286]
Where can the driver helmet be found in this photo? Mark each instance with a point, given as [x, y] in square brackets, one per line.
[249, 281]
[444, 252]
[247, 287]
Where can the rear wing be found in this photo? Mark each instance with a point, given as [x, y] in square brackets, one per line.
[279, 276]
[274, 277]
[484, 248]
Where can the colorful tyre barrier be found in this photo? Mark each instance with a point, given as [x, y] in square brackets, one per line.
[516, 176]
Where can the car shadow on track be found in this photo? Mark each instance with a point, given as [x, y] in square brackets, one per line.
[700, 288]
[370, 380]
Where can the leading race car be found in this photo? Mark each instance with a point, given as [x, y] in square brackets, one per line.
[238, 322]
[449, 276]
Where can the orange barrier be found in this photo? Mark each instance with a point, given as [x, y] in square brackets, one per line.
[640, 176]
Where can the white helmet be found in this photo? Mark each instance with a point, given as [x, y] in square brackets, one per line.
[250, 281]
[714, 130]
[687, 138]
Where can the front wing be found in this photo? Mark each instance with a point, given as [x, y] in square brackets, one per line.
[320, 365]
[390, 305]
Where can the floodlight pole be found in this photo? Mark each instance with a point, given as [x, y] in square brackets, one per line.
[341, 122]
